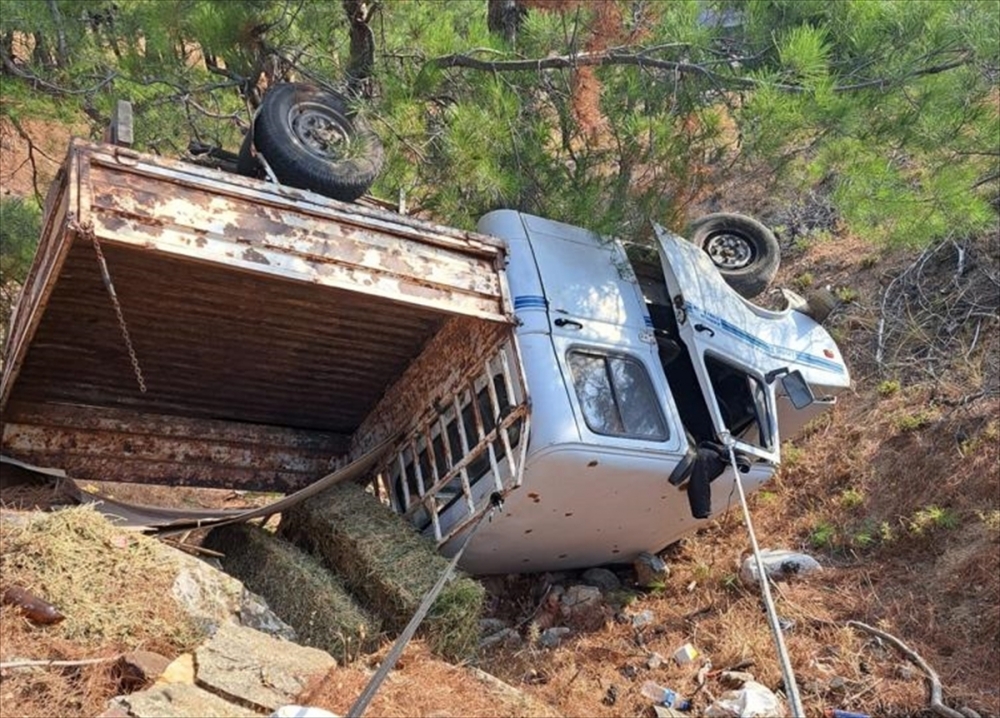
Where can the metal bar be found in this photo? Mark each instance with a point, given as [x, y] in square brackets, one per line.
[464, 441]
[517, 413]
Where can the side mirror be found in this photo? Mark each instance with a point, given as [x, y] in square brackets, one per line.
[797, 389]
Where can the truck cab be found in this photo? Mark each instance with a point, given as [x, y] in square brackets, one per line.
[630, 367]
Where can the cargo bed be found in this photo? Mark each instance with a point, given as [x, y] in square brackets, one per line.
[267, 324]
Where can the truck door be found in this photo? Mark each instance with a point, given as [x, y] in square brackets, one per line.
[731, 361]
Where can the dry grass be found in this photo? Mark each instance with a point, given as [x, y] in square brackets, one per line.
[299, 589]
[421, 685]
[114, 590]
[382, 558]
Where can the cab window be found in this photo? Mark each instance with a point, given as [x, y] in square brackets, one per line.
[616, 395]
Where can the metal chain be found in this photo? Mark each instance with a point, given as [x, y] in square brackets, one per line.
[106, 276]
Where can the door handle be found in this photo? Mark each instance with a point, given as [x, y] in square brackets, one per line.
[703, 328]
[560, 322]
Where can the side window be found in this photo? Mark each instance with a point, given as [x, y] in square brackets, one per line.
[616, 395]
[742, 401]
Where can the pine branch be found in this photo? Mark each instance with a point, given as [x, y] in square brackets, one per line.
[642, 59]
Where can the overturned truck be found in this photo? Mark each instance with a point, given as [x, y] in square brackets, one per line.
[184, 326]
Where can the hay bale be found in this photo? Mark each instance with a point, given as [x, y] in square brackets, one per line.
[299, 589]
[380, 556]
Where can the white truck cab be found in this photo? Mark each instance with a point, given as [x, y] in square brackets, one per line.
[636, 372]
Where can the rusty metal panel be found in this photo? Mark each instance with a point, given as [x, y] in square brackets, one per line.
[177, 214]
[96, 443]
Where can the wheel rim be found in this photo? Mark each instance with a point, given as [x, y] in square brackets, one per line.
[321, 131]
[729, 250]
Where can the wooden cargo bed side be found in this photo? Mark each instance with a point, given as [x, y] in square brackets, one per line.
[255, 312]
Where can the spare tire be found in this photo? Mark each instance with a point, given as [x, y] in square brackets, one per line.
[313, 140]
[744, 251]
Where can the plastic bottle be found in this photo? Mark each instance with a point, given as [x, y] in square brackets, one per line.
[664, 696]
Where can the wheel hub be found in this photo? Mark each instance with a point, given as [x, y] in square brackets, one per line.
[320, 130]
[729, 250]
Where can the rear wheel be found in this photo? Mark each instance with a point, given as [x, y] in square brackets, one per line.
[313, 140]
[745, 252]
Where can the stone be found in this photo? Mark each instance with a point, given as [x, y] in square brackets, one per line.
[181, 700]
[180, 670]
[583, 607]
[643, 618]
[489, 626]
[256, 614]
[292, 711]
[650, 570]
[137, 668]
[601, 578]
[552, 637]
[654, 661]
[114, 711]
[257, 669]
[779, 564]
[508, 637]
[209, 596]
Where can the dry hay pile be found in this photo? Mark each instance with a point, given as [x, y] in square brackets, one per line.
[298, 588]
[112, 586]
[382, 558]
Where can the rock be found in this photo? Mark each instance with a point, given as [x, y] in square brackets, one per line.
[256, 614]
[837, 684]
[508, 637]
[552, 637]
[114, 711]
[256, 669]
[213, 597]
[643, 618]
[489, 626]
[779, 564]
[206, 594]
[650, 570]
[137, 668]
[180, 700]
[181, 670]
[583, 607]
[601, 578]
[654, 661]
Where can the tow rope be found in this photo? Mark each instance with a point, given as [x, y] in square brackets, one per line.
[361, 704]
[791, 688]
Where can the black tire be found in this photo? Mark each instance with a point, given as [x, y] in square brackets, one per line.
[745, 252]
[313, 140]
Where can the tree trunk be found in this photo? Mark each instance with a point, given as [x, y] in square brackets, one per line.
[505, 17]
[62, 56]
[362, 60]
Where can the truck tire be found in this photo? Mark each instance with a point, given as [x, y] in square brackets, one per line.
[313, 140]
[745, 252]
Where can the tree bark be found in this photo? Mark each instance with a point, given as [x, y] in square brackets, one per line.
[61, 55]
[361, 64]
[505, 17]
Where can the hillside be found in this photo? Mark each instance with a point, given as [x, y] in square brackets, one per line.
[895, 492]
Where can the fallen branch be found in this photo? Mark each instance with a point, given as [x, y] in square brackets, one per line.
[934, 683]
[61, 664]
